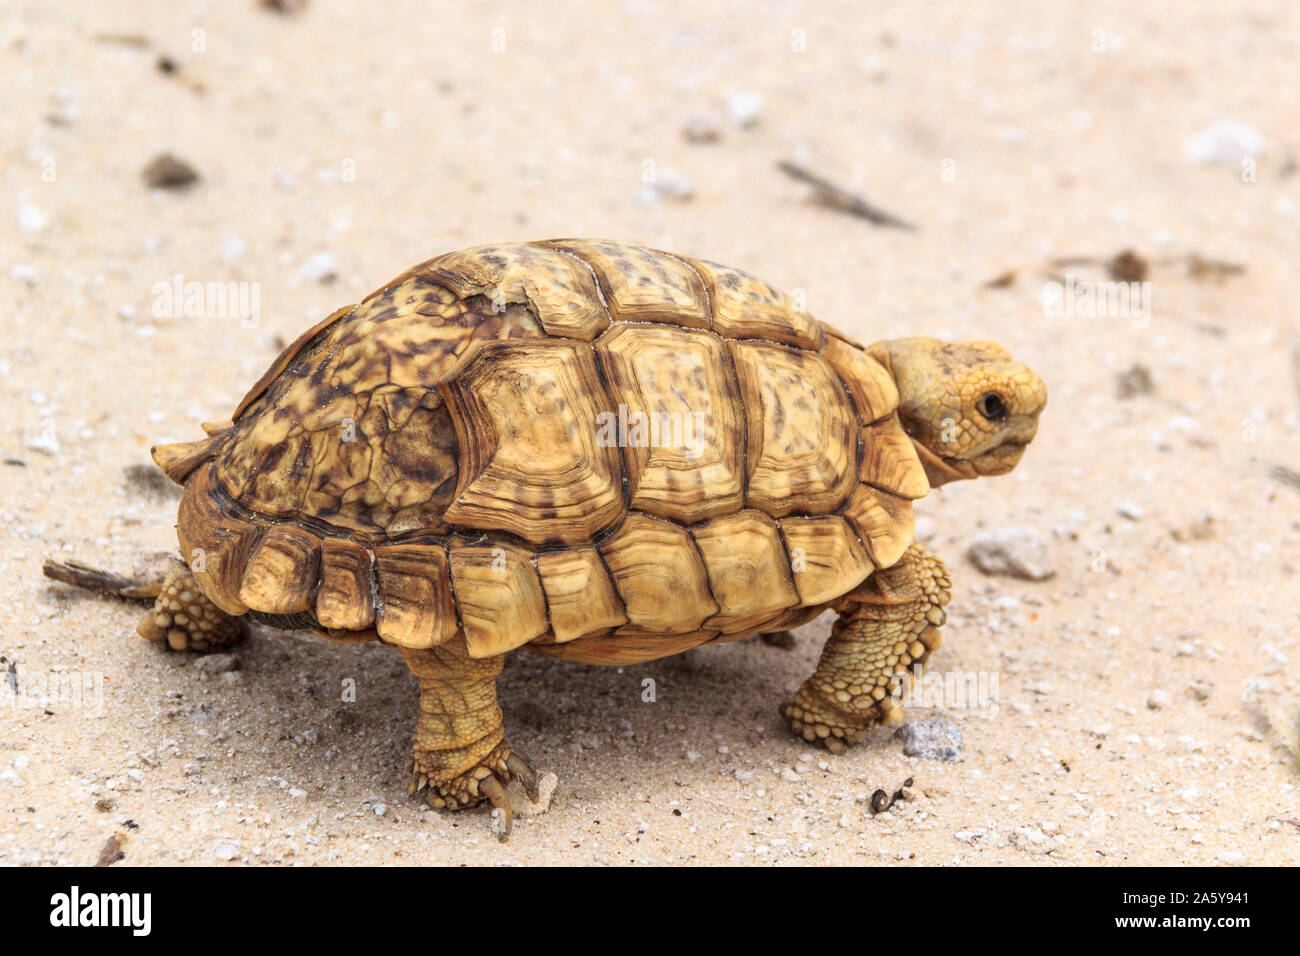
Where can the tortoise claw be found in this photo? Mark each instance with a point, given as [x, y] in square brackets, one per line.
[519, 767]
[492, 789]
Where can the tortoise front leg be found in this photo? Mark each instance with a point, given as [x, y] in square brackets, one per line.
[461, 754]
[886, 625]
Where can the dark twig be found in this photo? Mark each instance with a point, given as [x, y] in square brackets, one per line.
[835, 197]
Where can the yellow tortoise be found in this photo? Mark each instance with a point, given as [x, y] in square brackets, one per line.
[598, 451]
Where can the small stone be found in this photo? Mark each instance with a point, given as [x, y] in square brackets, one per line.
[379, 809]
[1128, 266]
[1126, 509]
[1226, 143]
[522, 806]
[1019, 552]
[1200, 689]
[745, 108]
[226, 851]
[1134, 382]
[1158, 700]
[1232, 858]
[933, 739]
[704, 127]
[27, 274]
[31, 219]
[297, 793]
[47, 441]
[319, 268]
[165, 171]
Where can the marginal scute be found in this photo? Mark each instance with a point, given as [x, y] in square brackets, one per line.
[179, 459]
[579, 593]
[871, 387]
[346, 596]
[675, 412]
[415, 606]
[500, 598]
[826, 557]
[559, 289]
[216, 545]
[884, 523]
[747, 568]
[746, 307]
[889, 460]
[659, 575]
[802, 440]
[282, 572]
[530, 460]
[643, 285]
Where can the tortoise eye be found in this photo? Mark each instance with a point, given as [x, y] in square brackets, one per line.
[991, 406]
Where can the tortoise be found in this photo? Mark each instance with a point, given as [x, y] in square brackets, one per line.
[601, 452]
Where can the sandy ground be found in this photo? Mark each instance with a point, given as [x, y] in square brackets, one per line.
[1147, 691]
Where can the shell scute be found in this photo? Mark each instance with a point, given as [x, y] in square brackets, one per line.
[746, 307]
[643, 285]
[282, 571]
[802, 439]
[500, 598]
[674, 410]
[531, 462]
[345, 600]
[747, 568]
[415, 606]
[659, 576]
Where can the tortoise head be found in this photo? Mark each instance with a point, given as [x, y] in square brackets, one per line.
[969, 408]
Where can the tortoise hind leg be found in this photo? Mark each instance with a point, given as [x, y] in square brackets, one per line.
[461, 754]
[182, 615]
[186, 620]
[886, 625]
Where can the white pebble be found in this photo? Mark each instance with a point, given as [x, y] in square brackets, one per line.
[744, 108]
[30, 219]
[1226, 142]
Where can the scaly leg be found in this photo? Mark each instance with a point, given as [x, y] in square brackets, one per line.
[886, 625]
[461, 754]
[182, 616]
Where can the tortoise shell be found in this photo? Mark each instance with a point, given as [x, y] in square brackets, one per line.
[607, 452]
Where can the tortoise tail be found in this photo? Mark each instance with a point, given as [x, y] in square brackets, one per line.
[101, 582]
